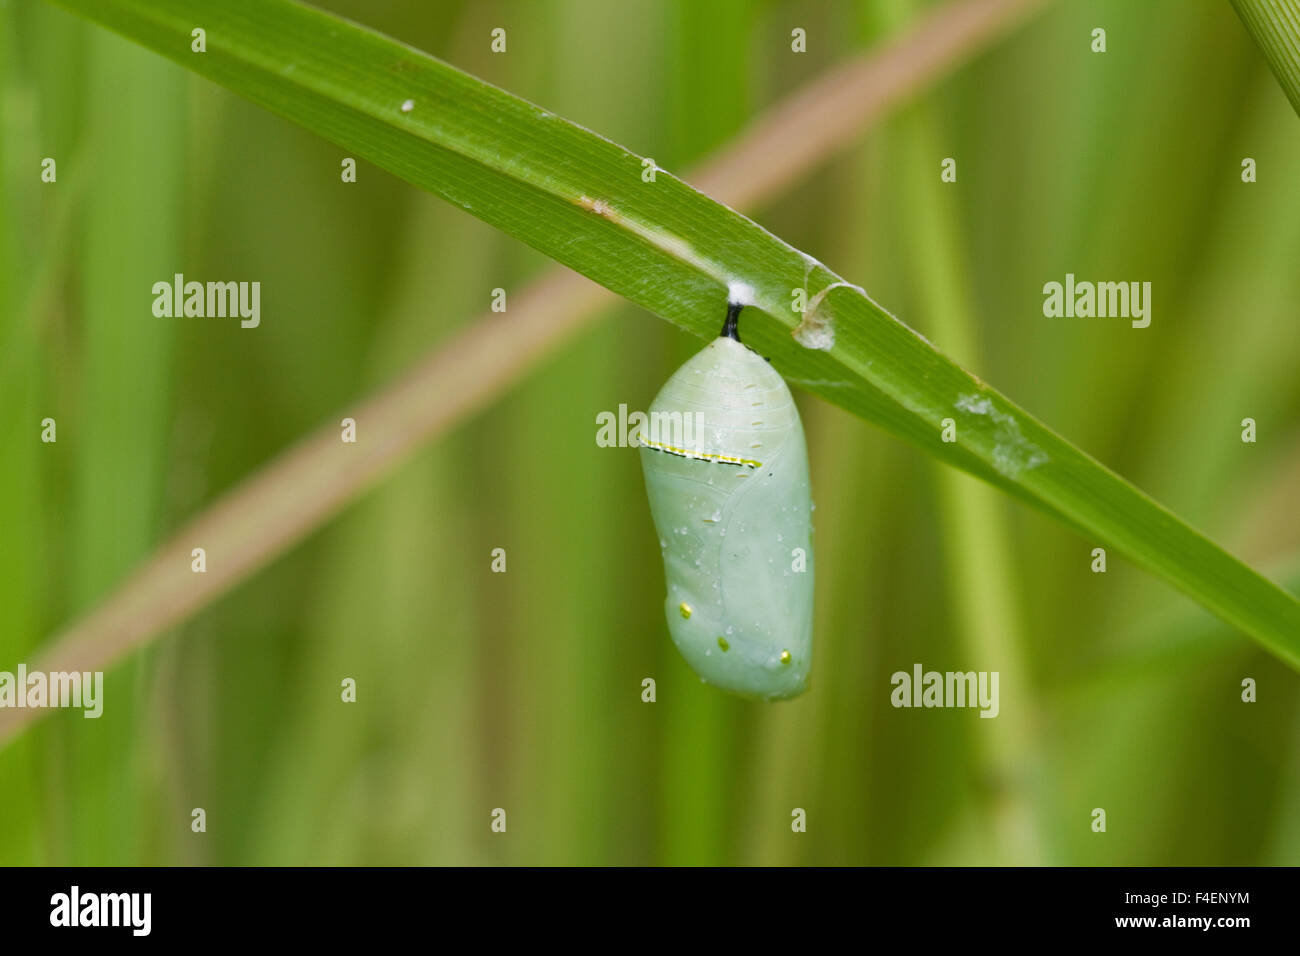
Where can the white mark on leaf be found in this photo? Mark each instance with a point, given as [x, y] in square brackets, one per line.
[740, 293]
[1012, 451]
[817, 330]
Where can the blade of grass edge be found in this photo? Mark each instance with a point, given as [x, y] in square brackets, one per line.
[1274, 25]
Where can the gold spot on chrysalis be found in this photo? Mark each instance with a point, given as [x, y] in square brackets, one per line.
[785, 657]
[722, 643]
[685, 609]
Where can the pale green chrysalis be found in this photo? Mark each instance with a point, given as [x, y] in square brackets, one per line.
[726, 471]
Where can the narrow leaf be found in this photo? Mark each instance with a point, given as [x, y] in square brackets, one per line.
[1275, 26]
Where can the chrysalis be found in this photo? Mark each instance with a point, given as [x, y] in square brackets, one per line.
[727, 475]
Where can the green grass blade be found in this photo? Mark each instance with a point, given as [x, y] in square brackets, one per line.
[1275, 27]
[583, 200]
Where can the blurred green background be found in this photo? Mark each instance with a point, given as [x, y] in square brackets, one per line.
[523, 690]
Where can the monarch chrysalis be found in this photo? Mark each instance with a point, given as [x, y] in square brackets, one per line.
[733, 508]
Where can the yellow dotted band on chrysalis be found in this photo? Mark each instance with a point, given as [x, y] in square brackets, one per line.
[700, 455]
